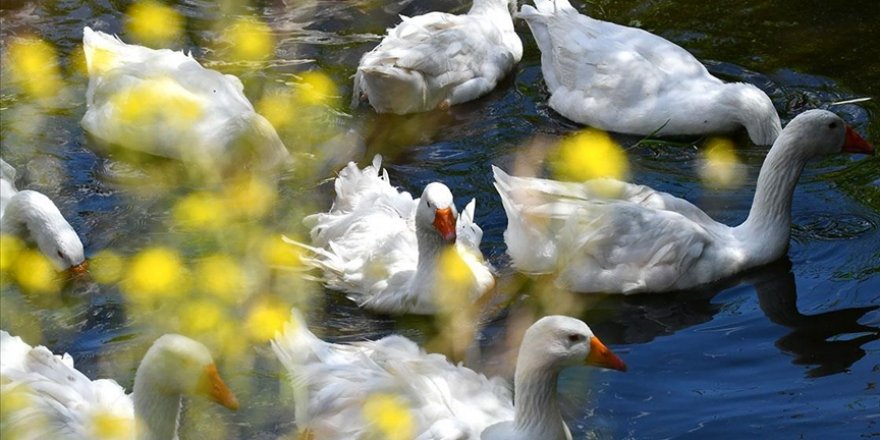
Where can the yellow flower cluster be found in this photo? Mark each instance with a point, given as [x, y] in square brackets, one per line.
[719, 166]
[390, 417]
[27, 267]
[589, 154]
[33, 66]
[153, 24]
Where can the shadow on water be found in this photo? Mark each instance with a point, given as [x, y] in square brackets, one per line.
[829, 342]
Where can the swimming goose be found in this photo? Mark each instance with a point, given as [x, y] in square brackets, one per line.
[332, 382]
[610, 236]
[383, 247]
[439, 59]
[164, 103]
[626, 80]
[30, 215]
[62, 403]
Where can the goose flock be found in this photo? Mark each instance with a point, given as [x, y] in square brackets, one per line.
[384, 248]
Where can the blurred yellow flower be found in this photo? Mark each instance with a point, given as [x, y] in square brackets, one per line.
[107, 426]
[277, 253]
[33, 64]
[102, 61]
[10, 247]
[153, 273]
[588, 155]
[249, 197]
[35, 273]
[278, 108]
[390, 417]
[106, 267]
[454, 271]
[720, 166]
[153, 24]
[160, 101]
[200, 210]
[251, 40]
[200, 316]
[316, 88]
[16, 397]
[266, 318]
[219, 275]
[231, 344]
[78, 61]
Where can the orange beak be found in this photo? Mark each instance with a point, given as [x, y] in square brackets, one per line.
[601, 356]
[212, 385]
[78, 272]
[853, 143]
[445, 224]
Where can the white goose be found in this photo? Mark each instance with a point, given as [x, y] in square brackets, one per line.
[642, 240]
[332, 381]
[439, 59]
[164, 103]
[62, 403]
[382, 247]
[30, 215]
[626, 80]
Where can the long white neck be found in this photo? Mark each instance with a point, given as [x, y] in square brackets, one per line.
[536, 403]
[752, 108]
[20, 214]
[430, 245]
[767, 229]
[156, 412]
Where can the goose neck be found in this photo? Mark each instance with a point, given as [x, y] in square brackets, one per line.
[156, 411]
[767, 227]
[31, 211]
[536, 404]
[430, 244]
[753, 109]
[20, 215]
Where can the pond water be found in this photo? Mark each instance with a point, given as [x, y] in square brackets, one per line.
[789, 350]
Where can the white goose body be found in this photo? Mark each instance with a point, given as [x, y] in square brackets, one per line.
[642, 240]
[382, 247]
[61, 403]
[164, 103]
[439, 59]
[447, 402]
[627, 80]
[32, 216]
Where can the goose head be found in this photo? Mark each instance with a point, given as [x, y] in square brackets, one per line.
[555, 342]
[821, 133]
[32, 213]
[436, 214]
[176, 365]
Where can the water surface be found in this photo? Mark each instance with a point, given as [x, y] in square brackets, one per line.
[784, 351]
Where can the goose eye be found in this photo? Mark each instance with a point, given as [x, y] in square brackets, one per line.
[61, 255]
[574, 337]
[832, 125]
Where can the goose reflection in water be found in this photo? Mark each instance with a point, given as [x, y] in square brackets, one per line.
[832, 341]
[829, 342]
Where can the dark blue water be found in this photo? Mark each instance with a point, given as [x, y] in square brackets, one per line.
[788, 350]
